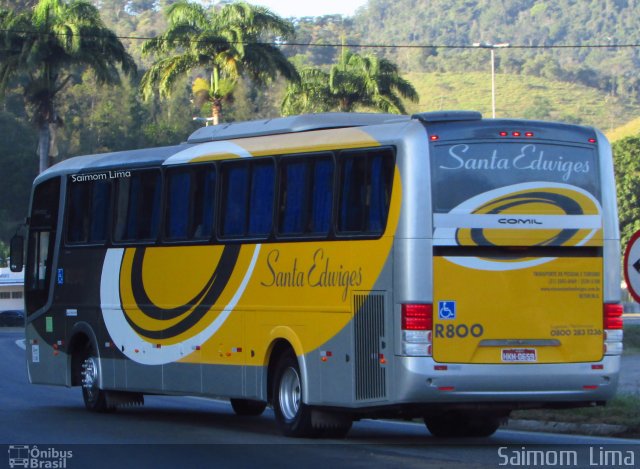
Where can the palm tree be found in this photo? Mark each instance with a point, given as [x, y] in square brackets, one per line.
[45, 46]
[226, 42]
[356, 80]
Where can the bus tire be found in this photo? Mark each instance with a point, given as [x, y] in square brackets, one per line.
[332, 425]
[293, 417]
[462, 425]
[248, 407]
[95, 399]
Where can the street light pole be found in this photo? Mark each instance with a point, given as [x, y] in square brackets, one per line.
[492, 48]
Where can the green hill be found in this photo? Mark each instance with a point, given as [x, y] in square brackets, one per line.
[521, 96]
[630, 129]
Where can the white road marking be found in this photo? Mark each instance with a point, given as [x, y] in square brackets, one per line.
[21, 343]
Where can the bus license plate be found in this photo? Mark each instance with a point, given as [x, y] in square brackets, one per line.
[519, 355]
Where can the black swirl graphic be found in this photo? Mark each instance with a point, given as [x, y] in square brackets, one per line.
[203, 300]
[563, 202]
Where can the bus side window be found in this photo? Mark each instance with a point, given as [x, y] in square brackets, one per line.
[234, 198]
[203, 198]
[138, 207]
[88, 212]
[261, 198]
[293, 184]
[306, 195]
[322, 196]
[78, 210]
[247, 198]
[100, 209]
[178, 194]
[380, 192]
[365, 191]
[190, 202]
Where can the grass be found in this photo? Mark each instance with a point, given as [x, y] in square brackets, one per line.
[630, 129]
[632, 339]
[521, 96]
[624, 409]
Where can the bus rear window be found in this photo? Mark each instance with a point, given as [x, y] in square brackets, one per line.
[464, 170]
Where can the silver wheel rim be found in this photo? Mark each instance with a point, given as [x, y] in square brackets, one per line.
[90, 377]
[290, 391]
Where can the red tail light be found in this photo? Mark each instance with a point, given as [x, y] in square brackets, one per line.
[417, 317]
[613, 316]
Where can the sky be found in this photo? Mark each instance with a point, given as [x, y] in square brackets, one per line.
[299, 8]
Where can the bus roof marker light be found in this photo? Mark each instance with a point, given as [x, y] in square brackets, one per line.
[516, 133]
[504, 134]
[592, 140]
[433, 138]
[528, 134]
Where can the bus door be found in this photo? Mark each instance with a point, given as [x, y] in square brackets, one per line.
[43, 327]
[40, 249]
[518, 268]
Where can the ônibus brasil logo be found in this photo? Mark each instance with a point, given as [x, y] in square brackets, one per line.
[34, 457]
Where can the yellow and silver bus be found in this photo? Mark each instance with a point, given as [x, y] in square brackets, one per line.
[336, 267]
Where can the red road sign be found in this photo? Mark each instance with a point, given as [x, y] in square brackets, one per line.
[632, 266]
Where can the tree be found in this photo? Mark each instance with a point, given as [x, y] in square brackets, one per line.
[356, 80]
[45, 46]
[225, 42]
[627, 167]
[17, 173]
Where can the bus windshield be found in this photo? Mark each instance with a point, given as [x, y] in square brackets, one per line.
[462, 170]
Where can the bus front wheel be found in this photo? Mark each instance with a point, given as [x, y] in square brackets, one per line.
[95, 399]
[293, 416]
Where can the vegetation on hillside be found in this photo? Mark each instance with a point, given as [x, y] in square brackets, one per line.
[630, 129]
[627, 166]
[531, 27]
[590, 85]
[521, 96]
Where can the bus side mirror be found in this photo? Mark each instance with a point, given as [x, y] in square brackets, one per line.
[16, 251]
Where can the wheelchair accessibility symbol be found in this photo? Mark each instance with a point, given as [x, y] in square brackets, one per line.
[446, 309]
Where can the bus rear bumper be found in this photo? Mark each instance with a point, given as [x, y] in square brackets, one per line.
[421, 379]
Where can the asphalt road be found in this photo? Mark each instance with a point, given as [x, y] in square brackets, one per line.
[194, 432]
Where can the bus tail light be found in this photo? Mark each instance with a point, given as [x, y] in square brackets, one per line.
[612, 314]
[417, 325]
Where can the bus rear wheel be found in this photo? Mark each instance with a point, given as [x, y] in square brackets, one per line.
[95, 399]
[293, 416]
[463, 424]
[247, 407]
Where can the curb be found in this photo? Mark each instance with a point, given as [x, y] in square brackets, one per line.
[594, 429]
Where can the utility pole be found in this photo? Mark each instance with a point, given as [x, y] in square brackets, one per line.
[492, 48]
